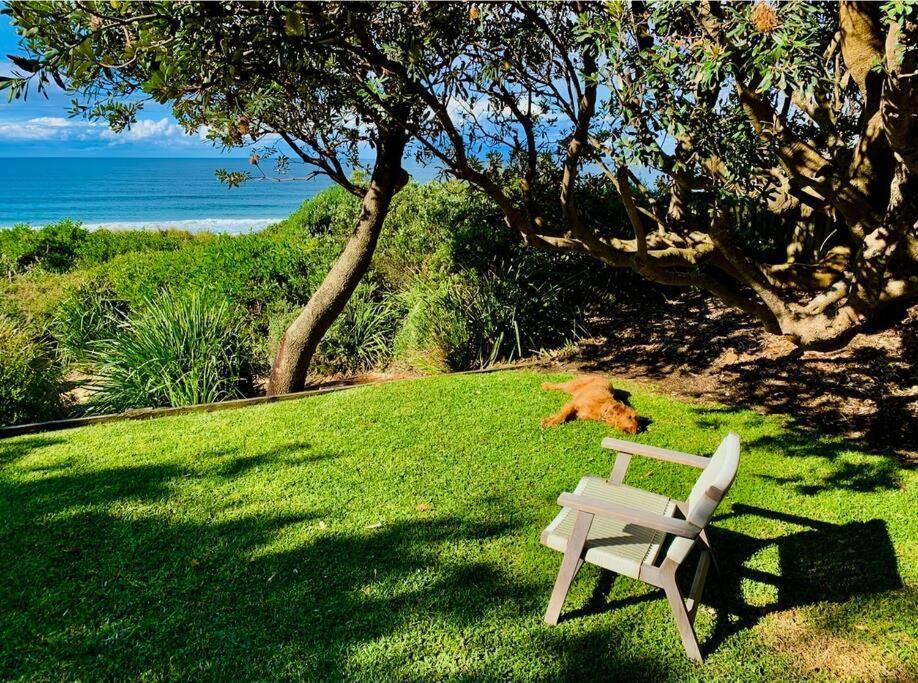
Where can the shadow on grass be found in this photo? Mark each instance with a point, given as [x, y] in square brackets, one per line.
[860, 478]
[230, 464]
[822, 563]
[881, 472]
[101, 577]
[11, 451]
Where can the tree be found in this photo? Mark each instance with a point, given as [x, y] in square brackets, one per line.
[763, 152]
[269, 73]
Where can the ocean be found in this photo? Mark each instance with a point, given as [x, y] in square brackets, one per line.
[147, 193]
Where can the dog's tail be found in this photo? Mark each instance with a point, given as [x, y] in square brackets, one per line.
[552, 386]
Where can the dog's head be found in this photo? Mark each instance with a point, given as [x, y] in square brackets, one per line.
[621, 417]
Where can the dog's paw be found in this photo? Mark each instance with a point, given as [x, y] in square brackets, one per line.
[547, 385]
[546, 422]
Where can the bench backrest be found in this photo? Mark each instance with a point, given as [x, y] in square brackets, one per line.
[708, 491]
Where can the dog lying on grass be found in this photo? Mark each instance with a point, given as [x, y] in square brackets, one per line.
[592, 399]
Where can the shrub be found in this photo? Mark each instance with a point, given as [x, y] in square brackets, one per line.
[419, 230]
[34, 295]
[30, 380]
[88, 316]
[331, 212]
[53, 247]
[361, 338]
[102, 245]
[472, 319]
[178, 350]
[250, 270]
[60, 246]
[431, 330]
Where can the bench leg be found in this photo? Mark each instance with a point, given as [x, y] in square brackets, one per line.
[570, 565]
[703, 537]
[701, 574]
[683, 621]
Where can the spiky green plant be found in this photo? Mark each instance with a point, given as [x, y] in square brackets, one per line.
[87, 317]
[361, 339]
[181, 349]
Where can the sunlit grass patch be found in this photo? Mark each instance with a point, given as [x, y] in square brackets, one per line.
[392, 532]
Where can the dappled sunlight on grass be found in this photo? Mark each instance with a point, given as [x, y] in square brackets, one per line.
[392, 531]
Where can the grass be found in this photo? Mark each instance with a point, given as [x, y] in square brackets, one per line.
[391, 532]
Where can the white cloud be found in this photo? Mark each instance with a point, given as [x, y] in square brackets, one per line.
[55, 122]
[460, 109]
[146, 129]
[48, 128]
[60, 128]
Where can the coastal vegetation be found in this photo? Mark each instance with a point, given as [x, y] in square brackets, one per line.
[696, 118]
[154, 318]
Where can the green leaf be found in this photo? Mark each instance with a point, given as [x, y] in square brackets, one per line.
[25, 63]
[293, 24]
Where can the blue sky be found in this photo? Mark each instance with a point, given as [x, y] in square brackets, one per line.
[40, 127]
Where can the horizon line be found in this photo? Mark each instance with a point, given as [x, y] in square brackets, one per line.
[83, 156]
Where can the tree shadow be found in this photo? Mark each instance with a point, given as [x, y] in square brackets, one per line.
[860, 478]
[101, 576]
[658, 336]
[70, 565]
[11, 451]
[880, 472]
[228, 463]
[693, 346]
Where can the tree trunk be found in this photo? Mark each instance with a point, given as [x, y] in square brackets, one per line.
[288, 372]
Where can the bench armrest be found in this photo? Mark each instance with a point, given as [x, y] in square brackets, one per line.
[632, 448]
[644, 518]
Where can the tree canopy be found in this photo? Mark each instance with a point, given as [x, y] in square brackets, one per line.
[763, 152]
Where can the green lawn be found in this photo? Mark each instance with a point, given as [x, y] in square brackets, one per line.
[391, 532]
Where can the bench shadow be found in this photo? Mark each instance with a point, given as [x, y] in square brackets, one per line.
[824, 562]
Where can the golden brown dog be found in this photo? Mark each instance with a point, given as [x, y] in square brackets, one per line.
[591, 399]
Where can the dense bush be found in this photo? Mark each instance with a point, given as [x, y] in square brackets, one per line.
[361, 338]
[103, 245]
[431, 332]
[33, 296]
[30, 379]
[177, 350]
[331, 213]
[54, 247]
[450, 288]
[89, 315]
[64, 245]
[251, 270]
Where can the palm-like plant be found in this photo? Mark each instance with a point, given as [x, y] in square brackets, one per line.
[177, 350]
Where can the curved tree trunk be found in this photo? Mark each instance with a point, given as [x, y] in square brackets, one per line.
[288, 372]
